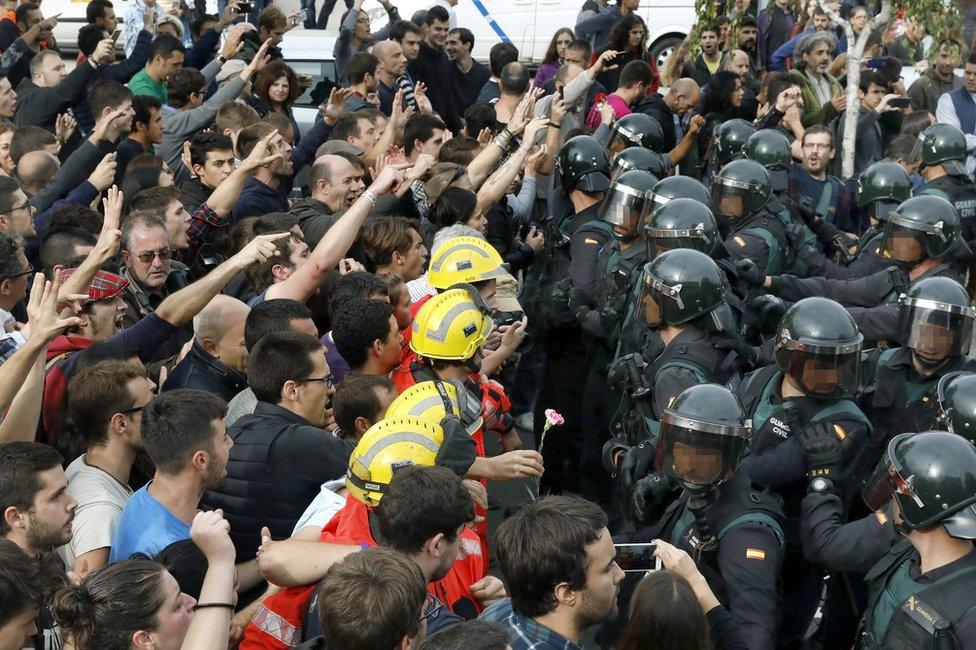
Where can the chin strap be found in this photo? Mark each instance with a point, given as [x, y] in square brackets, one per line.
[701, 500]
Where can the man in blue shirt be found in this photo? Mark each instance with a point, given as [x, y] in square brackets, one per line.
[184, 434]
[541, 550]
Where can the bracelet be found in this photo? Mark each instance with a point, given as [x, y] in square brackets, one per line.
[553, 124]
[205, 605]
[369, 196]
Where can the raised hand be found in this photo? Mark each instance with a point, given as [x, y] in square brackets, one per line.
[336, 105]
[64, 127]
[104, 173]
[260, 249]
[259, 156]
[104, 51]
[211, 533]
[45, 320]
[389, 177]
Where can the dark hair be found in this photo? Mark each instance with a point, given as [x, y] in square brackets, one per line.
[915, 122]
[8, 186]
[28, 138]
[196, 25]
[249, 136]
[774, 83]
[904, 146]
[277, 358]
[664, 613]
[272, 316]
[971, 59]
[140, 180]
[619, 38]
[273, 71]
[439, 14]
[544, 544]
[421, 127]
[356, 397]
[817, 129]
[59, 246]
[345, 127]
[465, 36]
[111, 604]
[380, 582]
[869, 78]
[89, 36]
[183, 83]
[20, 463]
[20, 15]
[359, 284]
[273, 222]
[106, 93]
[204, 142]
[357, 326]
[419, 18]
[515, 79]
[748, 20]
[468, 635]
[718, 97]
[164, 45]
[105, 351]
[401, 28]
[271, 18]
[454, 205]
[97, 394]
[500, 55]
[143, 105]
[20, 581]
[420, 503]
[360, 65]
[460, 150]
[636, 72]
[178, 423]
[383, 236]
[96, 10]
[583, 46]
[478, 116]
[10, 245]
[552, 53]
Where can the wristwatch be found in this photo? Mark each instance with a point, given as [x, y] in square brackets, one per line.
[821, 485]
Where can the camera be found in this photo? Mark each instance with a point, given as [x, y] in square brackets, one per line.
[245, 7]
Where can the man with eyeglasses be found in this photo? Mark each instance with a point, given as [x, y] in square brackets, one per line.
[16, 213]
[14, 272]
[105, 404]
[282, 452]
[149, 268]
[810, 179]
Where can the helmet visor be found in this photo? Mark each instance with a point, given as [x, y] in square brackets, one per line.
[648, 304]
[821, 374]
[902, 244]
[886, 481]
[622, 208]
[699, 453]
[665, 239]
[935, 330]
[729, 202]
[619, 141]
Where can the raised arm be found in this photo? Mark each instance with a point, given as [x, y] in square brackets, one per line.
[495, 187]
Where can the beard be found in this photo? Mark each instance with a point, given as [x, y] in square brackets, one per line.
[43, 536]
[592, 611]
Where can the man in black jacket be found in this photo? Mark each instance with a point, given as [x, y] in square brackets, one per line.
[218, 357]
[282, 453]
[668, 109]
[433, 67]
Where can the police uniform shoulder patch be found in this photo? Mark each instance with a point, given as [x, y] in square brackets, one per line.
[881, 517]
[739, 240]
[755, 554]
[841, 434]
[590, 241]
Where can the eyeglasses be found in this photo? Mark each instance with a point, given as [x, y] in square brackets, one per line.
[30, 269]
[134, 409]
[432, 608]
[147, 257]
[25, 206]
[817, 145]
[328, 379]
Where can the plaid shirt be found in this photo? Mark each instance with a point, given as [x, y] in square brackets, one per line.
[203, 221]
[524, 633]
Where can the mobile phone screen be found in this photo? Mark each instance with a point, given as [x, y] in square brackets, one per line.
[637, 558]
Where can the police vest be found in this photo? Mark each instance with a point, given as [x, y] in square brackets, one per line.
[961, 193]
[904, 614]
[739, 502]
[771, 229]
[700, 357]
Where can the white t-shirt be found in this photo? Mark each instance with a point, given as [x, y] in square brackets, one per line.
[324, 506]
[101, 499]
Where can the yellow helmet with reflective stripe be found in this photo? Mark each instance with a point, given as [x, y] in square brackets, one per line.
[464, 259]
[435, 400]
[450, 326]
[390, 445]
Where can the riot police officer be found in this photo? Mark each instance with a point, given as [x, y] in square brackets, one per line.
[817, 358]
[635, 130]
[740, 193]
[730, 526]
[953, 406]
[936, 325]
[573, 242]
[599, 314]
[944, 171]
[674, 187]
[726, 144]
[637, 158]
[916, 548]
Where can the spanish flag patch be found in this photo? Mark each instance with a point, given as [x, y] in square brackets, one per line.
[881, 517]
[841, 434]
[590, 240]
[755, 554]
[739, 240]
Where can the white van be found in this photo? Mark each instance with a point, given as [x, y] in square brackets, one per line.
[530, 24]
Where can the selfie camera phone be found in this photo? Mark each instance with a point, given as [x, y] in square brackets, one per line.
[637, 558]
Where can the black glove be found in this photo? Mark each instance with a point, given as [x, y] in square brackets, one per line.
[796, 233]
[749, 272]
[636, 465]
[748, 355]
[579, 302]
[651, 496]
[457, 452]
[821, 450]
[769, 308]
